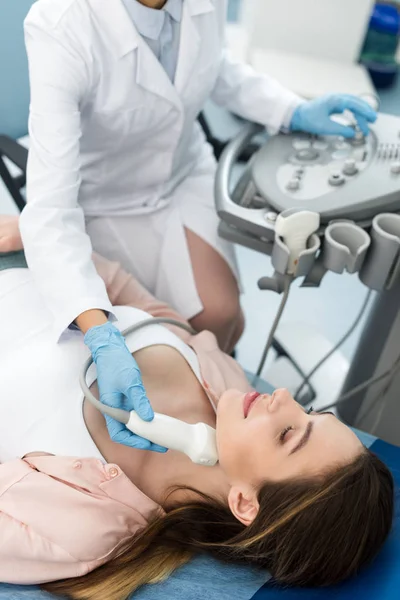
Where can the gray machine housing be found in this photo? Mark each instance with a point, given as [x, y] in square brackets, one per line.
[354, 185]
[352, 179]
[355, 188]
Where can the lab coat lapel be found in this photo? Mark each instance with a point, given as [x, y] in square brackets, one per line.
[151, 76]
[190, 41]
[116, 25]
[124, 38]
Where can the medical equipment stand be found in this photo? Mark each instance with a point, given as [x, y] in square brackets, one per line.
[377, 350]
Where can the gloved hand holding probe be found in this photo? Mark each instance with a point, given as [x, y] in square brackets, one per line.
[120, 383]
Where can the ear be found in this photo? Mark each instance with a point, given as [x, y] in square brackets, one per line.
[243, 504]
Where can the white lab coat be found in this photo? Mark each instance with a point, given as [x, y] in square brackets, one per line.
[111, 135]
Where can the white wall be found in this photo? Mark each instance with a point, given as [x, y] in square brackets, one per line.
[331, 29]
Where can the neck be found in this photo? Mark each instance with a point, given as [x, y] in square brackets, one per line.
[172, 389]
[157, 4]
[177, 470]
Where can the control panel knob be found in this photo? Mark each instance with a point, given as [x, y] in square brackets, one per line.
[320, 145]
[307, 155]
[336, 179]
[350, 167]
[342, 145]
[395, 168]
[299, 144]
[358, 139]
[293, 185]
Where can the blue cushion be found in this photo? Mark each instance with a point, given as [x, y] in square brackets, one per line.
[14, 85]
[205, 578]
[381, 581]
[201, 578]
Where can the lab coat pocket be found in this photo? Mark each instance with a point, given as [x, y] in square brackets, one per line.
[137, 123]
[144, 121]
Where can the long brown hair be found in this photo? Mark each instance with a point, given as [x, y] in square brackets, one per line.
[307, 533]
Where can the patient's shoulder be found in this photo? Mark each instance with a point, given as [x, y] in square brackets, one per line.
[81, 508]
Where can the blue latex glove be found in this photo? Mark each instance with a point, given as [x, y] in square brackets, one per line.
[314, 116]
[120, 383]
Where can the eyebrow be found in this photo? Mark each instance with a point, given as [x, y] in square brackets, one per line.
[304, 439]
[308, 433]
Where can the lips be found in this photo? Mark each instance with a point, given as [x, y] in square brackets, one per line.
[248, 401]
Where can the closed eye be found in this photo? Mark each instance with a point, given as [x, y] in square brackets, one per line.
[284, 434]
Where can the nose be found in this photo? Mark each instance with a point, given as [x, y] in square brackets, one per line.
[279, 394]
[280, 397]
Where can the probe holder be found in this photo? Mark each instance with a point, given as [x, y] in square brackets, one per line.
[281, 255]
[345, 247]
[382, 265]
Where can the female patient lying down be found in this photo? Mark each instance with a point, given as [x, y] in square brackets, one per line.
[294, 491]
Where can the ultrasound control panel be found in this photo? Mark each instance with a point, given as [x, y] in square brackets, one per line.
[336, 177]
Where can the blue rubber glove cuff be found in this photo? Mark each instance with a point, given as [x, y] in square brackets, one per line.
[100, 336]
[315, 116]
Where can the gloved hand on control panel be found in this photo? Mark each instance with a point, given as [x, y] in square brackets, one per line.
[315, 116]
[120, 383]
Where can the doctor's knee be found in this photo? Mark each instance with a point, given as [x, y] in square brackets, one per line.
[224, 318]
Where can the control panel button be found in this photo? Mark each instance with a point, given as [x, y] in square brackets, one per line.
[340, 154]
[320, 145]
[359, 139]
[271, 217]
[350, 167]
[342, 145]
[293, 185]
[301, 144]
[307, 155]
[336, 179]
[395, 168]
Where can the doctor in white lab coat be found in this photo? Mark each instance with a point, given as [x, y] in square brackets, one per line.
[119, 163]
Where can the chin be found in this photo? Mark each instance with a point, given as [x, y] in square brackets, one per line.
[223, 399]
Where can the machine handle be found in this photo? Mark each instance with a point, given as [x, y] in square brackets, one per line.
[229, 157]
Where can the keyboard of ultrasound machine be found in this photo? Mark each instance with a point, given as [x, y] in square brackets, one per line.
[352, 179]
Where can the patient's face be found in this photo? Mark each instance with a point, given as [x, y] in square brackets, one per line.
[278, 440]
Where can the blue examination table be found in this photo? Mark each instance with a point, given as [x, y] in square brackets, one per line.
[206, 578]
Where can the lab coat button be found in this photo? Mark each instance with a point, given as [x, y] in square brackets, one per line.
[77, 464]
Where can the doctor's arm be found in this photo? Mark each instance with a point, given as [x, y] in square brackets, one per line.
[52, 225]
[261, 99]
[57, 247]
